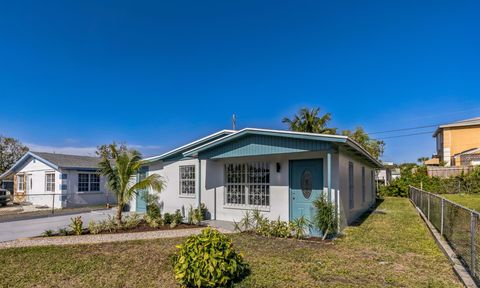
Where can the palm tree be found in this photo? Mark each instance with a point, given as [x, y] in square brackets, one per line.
[308, 120]
[422, 160]
[120, 170]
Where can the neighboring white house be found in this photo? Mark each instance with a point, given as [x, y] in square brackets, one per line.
[58, 180]
[277, 172]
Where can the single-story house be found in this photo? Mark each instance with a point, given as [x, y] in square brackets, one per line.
[280, 173]
[58, 180]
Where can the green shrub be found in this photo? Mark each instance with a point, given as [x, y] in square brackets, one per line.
[196, 215]
[167, 218]
[63, 232]
[208, 260]
[279, 229]
[94, 228]
[324, 217]
[298, 227]
[177, 218]
[153, 210]
[47, 233]
[77, 225]
[153, 222]
[131, 221]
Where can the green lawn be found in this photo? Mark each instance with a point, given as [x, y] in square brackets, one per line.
[390, 248]
[471, 201]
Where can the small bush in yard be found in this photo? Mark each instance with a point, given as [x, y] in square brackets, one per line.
[299, 227]
[167, 218]
[131, 221]
[63, 232]
[152, 221]
[95, 227]
[177, 218]
[77, 225]
[47, 233]
[208, 260]
[153, 210]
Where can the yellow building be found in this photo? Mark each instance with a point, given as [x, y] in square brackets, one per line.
[458, 142]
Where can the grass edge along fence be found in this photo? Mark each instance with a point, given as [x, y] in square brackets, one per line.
[459, 225]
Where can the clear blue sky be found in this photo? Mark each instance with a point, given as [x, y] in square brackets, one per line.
[77, 74]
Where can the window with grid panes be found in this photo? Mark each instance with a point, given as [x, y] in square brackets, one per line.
[50, 182]
[94, 182]
[187, 180]
[247, 184]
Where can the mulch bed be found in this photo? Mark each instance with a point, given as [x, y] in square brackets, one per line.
[145, 228]
[142, 227]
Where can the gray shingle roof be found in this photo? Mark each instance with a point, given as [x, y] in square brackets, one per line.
[69, 161]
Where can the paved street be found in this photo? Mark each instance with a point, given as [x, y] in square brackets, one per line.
[33, 227]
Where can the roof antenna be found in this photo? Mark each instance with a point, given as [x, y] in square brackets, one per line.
[234, 122]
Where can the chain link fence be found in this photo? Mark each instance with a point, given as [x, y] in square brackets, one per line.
[459, 225]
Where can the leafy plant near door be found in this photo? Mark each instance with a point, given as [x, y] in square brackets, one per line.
[208, 260]
[324, 218]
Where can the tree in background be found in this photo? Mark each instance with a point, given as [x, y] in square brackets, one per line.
[120, 169]
[373, 146]
[105, 150]
[309, 120]
[422, 160]
[10, 151]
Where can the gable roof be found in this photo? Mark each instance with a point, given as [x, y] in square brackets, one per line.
[69, 161]
[57, 161]
[178, 152]
[340, 140]
[462, 123]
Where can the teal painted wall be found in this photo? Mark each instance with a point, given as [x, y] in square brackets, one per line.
[257, 145]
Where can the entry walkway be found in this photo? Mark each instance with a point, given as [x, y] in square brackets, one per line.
[102, 238]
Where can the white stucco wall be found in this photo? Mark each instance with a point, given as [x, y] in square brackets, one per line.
[36, 194]
[348, 215]
[170, 198]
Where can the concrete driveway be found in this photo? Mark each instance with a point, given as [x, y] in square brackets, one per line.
[34, 227]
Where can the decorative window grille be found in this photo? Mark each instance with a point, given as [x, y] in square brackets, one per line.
[50, 182]
[247, 184]
[351, 193]
[21, 182]
[94, 182]
[187, 180]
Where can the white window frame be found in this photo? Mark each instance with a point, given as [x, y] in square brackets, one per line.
[185, 177]
[21, 182]
[91, 182]
[88, 183]
[50, 183]
[250, 184]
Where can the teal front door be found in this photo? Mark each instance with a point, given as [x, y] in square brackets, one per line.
[141, 202]
[306, 185]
